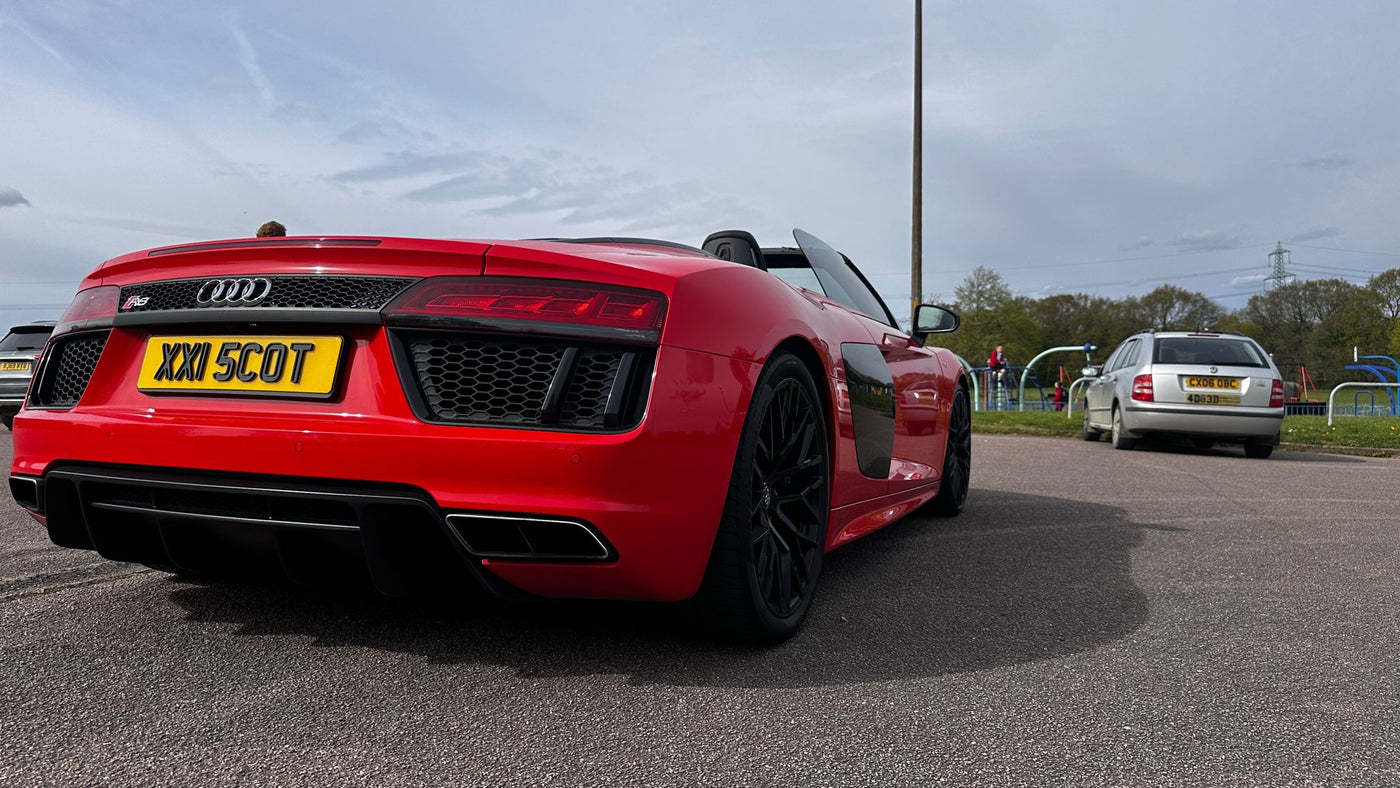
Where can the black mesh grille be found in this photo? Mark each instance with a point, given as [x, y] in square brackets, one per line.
[589, 387]
[68, 369]
[287, 292]
[507, 380]
[486, 380]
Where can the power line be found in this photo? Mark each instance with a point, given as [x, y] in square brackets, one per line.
[1150, 279]
[1322, 267]
[1360, 277]
[69, 282]
[1349, 251]
[1186, 253]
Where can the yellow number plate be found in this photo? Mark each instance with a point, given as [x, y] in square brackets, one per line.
[292, 366]
[1213, 399]
[14, 366]
[1213, 383]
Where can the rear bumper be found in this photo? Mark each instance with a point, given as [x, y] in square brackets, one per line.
[1259, 424]
[654, 494]
[12, 390]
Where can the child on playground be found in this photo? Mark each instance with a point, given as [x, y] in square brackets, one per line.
[1061, 397]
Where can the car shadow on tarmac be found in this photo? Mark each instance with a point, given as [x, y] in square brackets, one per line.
[1017, 578]
[1291, 454]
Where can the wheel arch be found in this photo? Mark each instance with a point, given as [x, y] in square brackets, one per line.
[812, 360]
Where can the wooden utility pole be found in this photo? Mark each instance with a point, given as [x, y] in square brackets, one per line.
[916, 252]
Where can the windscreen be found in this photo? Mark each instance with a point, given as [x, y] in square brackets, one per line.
[1213, 351]
[800, 277]
[840, 281]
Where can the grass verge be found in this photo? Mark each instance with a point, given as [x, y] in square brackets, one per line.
[1346, 431]
[1031, 422]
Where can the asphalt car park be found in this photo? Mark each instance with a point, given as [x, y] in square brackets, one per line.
[1165, 616]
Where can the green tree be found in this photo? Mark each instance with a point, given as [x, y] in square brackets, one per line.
[1386, 286]
[1312, 323]
[1172, 308]
[983, 289]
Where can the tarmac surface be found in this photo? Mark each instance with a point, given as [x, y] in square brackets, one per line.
[1096, 617]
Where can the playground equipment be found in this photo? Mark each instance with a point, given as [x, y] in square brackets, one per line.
[972, 376]
[1305, 383]
[1069, 405]
[1380, 372]
[996, 389]
[1353, 385]
[1086, 347]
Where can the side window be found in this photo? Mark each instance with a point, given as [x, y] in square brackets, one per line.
[1109, 365]
[1130, 358]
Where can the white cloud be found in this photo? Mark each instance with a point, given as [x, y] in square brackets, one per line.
[1246, 280]
[1051, 138]
[248, 59]
[1316, 234]
[1207, 241]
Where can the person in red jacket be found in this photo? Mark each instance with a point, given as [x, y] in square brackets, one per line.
[997, 361]
[1061, 397]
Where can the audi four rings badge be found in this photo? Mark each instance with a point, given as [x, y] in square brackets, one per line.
[233, 292]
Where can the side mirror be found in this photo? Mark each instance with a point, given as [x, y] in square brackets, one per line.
[930, 319]
[1091, 371]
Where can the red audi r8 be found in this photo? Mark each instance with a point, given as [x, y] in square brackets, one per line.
[606, 417]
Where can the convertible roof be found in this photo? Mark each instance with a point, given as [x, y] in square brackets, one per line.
[625, 241]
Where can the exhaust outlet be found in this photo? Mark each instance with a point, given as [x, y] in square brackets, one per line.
[515, 537]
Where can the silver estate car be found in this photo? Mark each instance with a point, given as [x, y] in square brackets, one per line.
[19, 353]
[1203, 386]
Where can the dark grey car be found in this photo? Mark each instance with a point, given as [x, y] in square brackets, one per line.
[19, 351]
[1208, 387]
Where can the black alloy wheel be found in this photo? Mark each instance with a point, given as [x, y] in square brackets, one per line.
[767, 557]
[957, 460]
[786, 496]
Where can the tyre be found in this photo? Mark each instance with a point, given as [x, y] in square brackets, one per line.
[1119, 435]
[1090, 434]
[957, 460]
[1257, 451]
[763, 570]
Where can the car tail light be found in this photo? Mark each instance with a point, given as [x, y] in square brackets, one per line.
[535, 305]
[1276, 395]
[1142, 388]
[93, 307]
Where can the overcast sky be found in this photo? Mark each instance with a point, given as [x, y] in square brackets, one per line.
[1103, 147]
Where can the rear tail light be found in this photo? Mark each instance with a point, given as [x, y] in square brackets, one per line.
[531, 305]
[1276, 395]
[1142, 388]
[91, 308]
